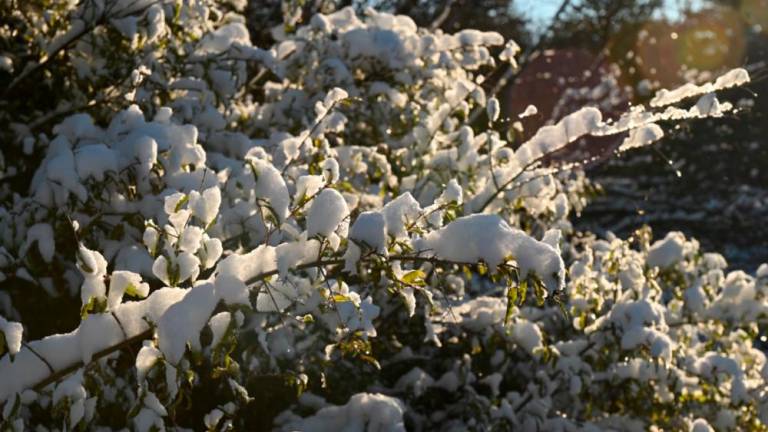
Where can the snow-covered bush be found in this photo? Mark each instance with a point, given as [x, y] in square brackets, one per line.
[317, 235]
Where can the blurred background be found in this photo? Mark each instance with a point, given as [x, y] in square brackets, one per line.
[707, 178]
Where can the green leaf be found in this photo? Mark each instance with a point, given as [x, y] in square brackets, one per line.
[511, 299]
[414, 277]
[94, 305]
[340, 298]
[539, 290]
[131, 290]
[181, 203]
[522, 290]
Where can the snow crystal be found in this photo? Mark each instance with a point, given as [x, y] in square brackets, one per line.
[328, 210]
[488, 238]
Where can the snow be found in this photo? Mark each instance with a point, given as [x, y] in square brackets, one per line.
[401, 211]
[493, 109]
[327, 212]
[12, 332]
[58, 169]
[219, 324]
[291, 254]
[147, 357]
[6, 64]
[190, 239]
[245, 266]
[642, 136]
[452, 193]
[42, 233]
[331, 170]
[275, 297]
[151, 401]
[416, 381]
[93, 267]
[335, 95]
[488, 238]
[527, 335]
[99, 331]
[511, 49]
[210, 252]
[72, 388]
[94, 161]
[176, 268]
[232, 290]
[551, 138]
[223, 38]
[271, 186]
[182, 322]
[732, 78]
[213, 418]
[666, 252]
[205, 206]
[307, 186]
[363, 411]
[370, 229]
[354, 314]
[701, 425]
[125, 282]
[529, 111]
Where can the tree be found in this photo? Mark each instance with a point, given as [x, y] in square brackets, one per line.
[334, 232]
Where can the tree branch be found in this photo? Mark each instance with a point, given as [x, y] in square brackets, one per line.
[418, 258]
